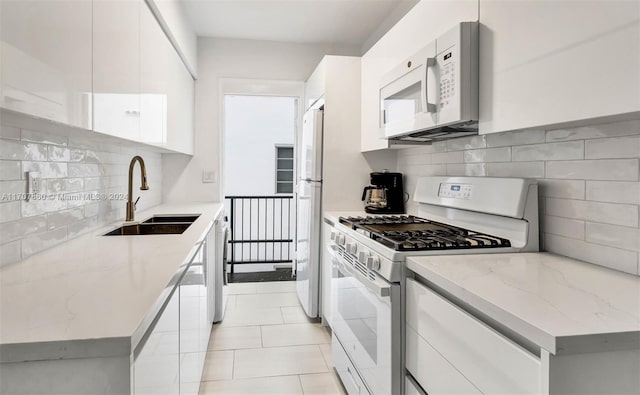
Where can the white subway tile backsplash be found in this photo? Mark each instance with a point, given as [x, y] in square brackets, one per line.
[516, 169]
[549, 151]
[614, 236]
[608, 213]
[520, 137]
[59, 154]
[10, 169]
[447, 157]
[9, 132]
[64, 185]
[625, 128]
[77, 173]
[488, 155]
[602, 169]
[16, 230]
[617, 147]
[18, 150]
[569, 189]
[42, 137]
[614, 258]
[470, 170]
[614, 191]
[46, 169]
[588, 178]
[466, 143]
[9, 211]
[10, 252]
[84, 170]
[36, 243]
[64, 217]
[566, 227]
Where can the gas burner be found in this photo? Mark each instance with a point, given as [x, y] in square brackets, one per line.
[410, 233]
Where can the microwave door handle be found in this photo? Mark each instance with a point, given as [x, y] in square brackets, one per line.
[430, 107]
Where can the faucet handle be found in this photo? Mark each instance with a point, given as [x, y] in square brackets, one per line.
[136, 202]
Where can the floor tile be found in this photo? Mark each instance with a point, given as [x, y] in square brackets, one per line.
[218, 366]
[294, 335]
[267, 300]
[327, 354]
[294, 315]
[234, 338]
[321, 384]
[279, 385]
[275, 286]
[241, 288]
[248, 316]
[277, 361]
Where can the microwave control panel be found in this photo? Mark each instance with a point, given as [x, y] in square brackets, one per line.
[455, 191]
[447, 62]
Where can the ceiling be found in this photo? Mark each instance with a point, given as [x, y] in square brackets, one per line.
[342, 22]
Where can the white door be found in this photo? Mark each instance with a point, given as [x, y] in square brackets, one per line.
[308, 245]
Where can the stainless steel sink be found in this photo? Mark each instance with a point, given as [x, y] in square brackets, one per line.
[156, 219]
[150, 229]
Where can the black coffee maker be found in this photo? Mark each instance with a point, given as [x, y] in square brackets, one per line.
[385, 195]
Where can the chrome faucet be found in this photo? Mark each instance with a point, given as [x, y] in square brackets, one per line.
[131, 206]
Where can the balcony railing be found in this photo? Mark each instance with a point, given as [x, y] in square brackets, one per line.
[261, 229]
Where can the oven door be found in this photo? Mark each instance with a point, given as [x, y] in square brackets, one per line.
[363, 322]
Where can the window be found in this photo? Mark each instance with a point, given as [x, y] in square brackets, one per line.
[284, 169]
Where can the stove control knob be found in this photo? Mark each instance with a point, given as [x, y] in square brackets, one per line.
[354, 249]
[362, 257]
[340, 240]
[373, 263]
[351, 248]
[333, 236]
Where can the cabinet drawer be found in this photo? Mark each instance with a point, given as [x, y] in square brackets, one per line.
[493, 363]
[434, 373]
[347, 372]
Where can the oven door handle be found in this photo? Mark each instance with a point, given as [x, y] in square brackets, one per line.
[374, 286]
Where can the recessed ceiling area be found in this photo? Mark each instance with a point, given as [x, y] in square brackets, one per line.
[356, 23]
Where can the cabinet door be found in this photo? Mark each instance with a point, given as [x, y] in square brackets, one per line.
[194, 326]
[116, 68]
[180, 106]
[154, 79]
[46, 58]
[550, 62]
[157, 364]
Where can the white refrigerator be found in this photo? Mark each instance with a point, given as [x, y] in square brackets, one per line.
[309, 196]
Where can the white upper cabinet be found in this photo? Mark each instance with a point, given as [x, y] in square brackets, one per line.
[116, 68]
[550, 62]
[180, 106]
[155, 52]
[47, 59]
[423, 24]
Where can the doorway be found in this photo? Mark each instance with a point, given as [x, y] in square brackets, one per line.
[258, 182]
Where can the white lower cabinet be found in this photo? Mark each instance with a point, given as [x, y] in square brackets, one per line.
[157, 360]
[450, 351]
[170, 359]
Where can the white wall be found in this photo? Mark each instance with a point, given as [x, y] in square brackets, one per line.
[250, 141]
[227, 58]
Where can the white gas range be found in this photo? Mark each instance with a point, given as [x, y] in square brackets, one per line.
[456, 215]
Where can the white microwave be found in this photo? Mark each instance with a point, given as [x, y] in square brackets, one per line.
[433, 95]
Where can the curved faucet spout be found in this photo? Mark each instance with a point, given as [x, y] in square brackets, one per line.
[131, 206]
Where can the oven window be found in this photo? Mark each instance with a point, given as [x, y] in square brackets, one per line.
[360, 315]
[403, 104]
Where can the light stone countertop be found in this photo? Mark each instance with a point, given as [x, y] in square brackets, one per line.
[94, 295]
[560, 304]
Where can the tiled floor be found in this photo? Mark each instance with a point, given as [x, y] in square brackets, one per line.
[266, 345]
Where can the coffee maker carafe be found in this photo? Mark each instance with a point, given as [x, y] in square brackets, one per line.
[385, 195]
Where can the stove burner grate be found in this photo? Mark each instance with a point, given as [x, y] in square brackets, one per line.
[410, 233]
